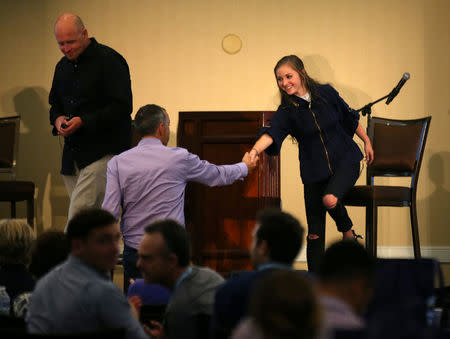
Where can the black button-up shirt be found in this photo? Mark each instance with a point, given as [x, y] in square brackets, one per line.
[97, 88]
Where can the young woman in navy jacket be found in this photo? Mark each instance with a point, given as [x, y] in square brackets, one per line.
[323, 125]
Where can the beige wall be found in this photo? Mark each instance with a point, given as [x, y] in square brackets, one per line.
[174, 52]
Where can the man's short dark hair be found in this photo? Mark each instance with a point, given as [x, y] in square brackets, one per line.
[148, 118]
[346, 260]
[87, 220]
[50, 249]
[175, 238]
[282, 233]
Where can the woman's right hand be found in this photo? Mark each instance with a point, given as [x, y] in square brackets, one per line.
[254, 154]
[251, 163]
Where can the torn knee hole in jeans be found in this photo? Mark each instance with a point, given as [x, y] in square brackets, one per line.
[313, 236]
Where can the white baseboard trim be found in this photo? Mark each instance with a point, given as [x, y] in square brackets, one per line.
[441, 253]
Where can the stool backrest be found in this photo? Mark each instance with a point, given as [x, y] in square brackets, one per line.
[398, 146]
[9, 144]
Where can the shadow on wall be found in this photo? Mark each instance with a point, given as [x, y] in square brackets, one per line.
[439, 200]
[320, 69]
[39, 155]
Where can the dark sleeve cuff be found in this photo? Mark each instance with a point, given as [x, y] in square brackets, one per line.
[275, 148]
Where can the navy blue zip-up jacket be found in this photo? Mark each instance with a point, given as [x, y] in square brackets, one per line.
[324, 130]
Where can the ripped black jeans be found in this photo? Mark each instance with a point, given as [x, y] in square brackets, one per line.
[338, 185]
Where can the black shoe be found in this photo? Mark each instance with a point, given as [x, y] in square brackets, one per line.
[356, 236]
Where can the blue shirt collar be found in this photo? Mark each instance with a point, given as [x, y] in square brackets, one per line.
[182, 277]
[274, 264]
[74, 260]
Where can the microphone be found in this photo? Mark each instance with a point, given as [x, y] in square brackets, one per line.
[397, 88]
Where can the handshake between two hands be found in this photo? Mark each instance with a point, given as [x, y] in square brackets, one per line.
[251, 159]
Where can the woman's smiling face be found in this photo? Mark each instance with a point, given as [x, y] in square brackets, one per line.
[289, 81]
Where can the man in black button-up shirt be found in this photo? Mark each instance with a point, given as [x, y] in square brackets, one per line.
[91, 104]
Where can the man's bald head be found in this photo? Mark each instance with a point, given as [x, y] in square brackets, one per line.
[71, 35]
[69, 19]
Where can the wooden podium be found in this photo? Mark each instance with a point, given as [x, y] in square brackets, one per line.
[220, 220]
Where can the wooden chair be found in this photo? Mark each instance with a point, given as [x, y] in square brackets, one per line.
[13, 190]
[398, 146]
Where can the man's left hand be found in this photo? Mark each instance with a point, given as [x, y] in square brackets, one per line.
[136, 304]
[156, 331]
[71, 126]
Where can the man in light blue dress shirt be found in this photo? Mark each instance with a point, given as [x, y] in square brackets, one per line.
[78, 295]
[147, 182]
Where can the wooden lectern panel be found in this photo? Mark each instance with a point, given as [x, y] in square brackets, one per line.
[220, 220]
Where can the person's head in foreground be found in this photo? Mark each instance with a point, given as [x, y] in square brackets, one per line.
[94, 235]
[277, 237]
[164, 252]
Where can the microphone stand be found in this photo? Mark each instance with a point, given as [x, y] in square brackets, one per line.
[367, 109]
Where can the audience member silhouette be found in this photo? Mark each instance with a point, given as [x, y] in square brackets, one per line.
[78, 296]
[346, 281]
[282, 305]
[50, 249]
[164, 254]
[16, 239]
[277, 239]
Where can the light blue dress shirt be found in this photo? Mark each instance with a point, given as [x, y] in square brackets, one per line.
[75, 298]
[148, 183]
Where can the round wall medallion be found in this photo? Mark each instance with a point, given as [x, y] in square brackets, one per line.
[231, 43]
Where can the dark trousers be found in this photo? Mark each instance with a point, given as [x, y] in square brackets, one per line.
[338, 185]
[130, 271]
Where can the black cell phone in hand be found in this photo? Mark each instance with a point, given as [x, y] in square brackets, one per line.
[64, 125]
[152, 312]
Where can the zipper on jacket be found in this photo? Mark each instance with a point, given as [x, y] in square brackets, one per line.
[321, 137]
